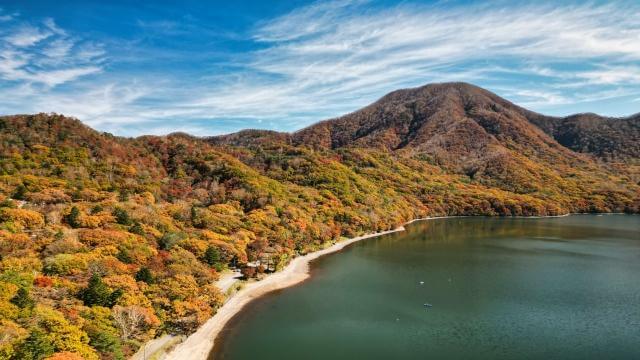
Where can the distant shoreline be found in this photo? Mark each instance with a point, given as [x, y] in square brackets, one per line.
[199, 345]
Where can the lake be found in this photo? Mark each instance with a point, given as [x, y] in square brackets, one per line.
[500, 288]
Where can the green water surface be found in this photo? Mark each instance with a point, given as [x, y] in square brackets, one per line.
[510, 288]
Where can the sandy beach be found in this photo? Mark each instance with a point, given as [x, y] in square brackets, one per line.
[199, 344]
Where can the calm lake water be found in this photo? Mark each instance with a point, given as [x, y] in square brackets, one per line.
[548, 288]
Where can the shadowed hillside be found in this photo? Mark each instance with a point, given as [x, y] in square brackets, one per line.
[608, 138]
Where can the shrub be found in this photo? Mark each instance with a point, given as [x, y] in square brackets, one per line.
[136, 228]
[168, 240]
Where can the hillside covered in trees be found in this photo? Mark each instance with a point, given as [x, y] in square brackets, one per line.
[106, 242]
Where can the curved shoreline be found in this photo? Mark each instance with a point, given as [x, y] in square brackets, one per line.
[199, 345]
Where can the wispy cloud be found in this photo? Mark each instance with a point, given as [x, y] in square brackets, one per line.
[26, 35]
[332, 56]
[612, 75]
[42, 53]
[5, 17]
[325, 59]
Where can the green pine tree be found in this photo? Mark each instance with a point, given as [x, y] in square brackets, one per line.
[20, 192]
[96, 292]
[73, 218]
[212, 256]
[35, 347]
[122, 216]
[22, 299]
[144, 275]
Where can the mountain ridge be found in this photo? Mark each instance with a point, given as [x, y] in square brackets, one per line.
[546, 123]
[468, 130]
[95, 226]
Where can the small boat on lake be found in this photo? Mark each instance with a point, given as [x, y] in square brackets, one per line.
[427, 305]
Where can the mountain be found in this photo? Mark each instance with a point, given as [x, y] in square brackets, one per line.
[468, 130]
[607, 138]
[98, 230]
[464, 126]
[463, 117]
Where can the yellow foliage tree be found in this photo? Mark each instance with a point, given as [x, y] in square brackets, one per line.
[27, 219]
[62, 335]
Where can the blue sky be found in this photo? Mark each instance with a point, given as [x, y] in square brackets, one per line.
[213, 67]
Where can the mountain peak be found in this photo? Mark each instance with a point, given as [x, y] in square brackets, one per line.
[408, 117]
[470, 130]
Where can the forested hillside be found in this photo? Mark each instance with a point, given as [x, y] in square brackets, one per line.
[106, 242]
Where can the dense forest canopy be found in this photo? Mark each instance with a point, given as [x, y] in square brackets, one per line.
[106, 242]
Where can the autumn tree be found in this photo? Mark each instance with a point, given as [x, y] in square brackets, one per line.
[11, 337]
[248, 272]
[132, 319]
[51, 332]
[103, 335]
[24, 218]
[65, 355]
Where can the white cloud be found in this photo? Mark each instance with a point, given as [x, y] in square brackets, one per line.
[11, 63]
[534, 98]
[44, 54]
[57, 77]
[305, 21]
[26, 36]
[333, 57]
[51, 25]
[612, 75]
[95, 104]
[58, 48]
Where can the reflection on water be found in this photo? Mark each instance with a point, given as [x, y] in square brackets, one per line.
[565, 288]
